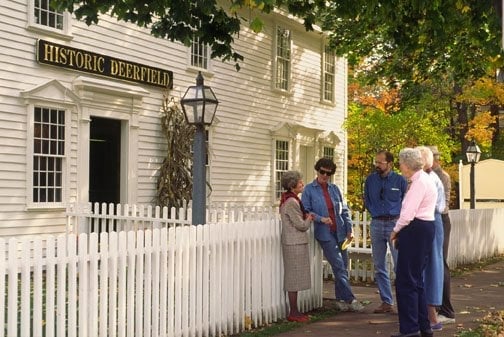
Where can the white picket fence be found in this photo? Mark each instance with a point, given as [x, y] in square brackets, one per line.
[88, 218]
[210, 280]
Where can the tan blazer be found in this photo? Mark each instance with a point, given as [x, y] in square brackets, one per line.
[293, 226]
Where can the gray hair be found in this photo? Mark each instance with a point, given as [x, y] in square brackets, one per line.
[427, 156]
[412, 158]
[290, 179]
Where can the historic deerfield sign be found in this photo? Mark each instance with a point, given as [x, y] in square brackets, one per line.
[83, 60]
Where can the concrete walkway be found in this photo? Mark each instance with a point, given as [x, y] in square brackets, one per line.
[473, 295]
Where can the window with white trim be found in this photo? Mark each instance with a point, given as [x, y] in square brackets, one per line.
[329, 152]
[281, 164]
[328, 74]
[44, 17]
[49, 137]
[283, 59]
[200, 54]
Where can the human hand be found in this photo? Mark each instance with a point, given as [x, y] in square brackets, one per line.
[326, 220]
[394, 239]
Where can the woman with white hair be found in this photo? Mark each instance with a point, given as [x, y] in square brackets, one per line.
[413, 235]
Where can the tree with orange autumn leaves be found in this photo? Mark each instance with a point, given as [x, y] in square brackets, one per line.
[383, 118]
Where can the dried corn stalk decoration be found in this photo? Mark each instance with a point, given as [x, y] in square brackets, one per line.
[174, 185]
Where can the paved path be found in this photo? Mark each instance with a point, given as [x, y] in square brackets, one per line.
[473, 294]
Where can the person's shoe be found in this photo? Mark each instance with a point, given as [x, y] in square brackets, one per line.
[384, 308]
[445, 320]
[342, 306]
[299, 319]
[427, 333]
[355, 306]
[437, 327]
[398, 334]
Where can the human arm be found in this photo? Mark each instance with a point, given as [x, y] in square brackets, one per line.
[293, 212]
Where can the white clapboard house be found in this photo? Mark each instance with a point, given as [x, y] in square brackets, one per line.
[80, 112]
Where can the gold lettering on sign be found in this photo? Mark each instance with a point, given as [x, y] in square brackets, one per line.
[78, 59]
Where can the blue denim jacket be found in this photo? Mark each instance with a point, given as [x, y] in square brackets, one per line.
[314, 202]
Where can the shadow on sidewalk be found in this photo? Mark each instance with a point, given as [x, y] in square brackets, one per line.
[474, 294]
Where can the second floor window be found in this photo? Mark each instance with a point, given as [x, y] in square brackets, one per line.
[199, 54]
[45, 15]
[329, 75]
[283, 59]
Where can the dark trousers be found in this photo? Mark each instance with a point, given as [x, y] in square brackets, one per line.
[446, 308]
[415, 244]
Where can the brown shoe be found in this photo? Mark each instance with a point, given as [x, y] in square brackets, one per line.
[384, 308]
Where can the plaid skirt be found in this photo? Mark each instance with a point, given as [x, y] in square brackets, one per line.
[296, 267]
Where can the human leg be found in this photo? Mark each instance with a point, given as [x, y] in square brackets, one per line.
[446, 308]
[415, 244]
[380, 234]
[294, 314]
[341, 283]
[433, 275]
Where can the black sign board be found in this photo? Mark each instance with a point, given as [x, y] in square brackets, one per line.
[83, 60]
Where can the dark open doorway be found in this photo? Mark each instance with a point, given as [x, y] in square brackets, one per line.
[105, 160]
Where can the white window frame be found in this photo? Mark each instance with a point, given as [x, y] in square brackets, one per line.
[277, 171]
[329, 152]
[282, 60]
[328, 61]
[64, 33]
[204, 56]
[31, 204]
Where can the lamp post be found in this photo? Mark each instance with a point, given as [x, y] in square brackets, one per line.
[473, 154]
[199, 105]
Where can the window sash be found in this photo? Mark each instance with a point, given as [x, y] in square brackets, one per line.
[283, 58]
[48, 155]
[199, 54]
[281, 164]
[329, 74]
[45, 15]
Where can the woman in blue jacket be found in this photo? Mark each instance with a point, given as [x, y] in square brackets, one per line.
[332, 225]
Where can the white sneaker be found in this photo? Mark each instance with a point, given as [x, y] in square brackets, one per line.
[342, 306]
[356, 306]
[445, 320]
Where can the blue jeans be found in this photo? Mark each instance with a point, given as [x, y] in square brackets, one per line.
[333, 255]
[380, 238]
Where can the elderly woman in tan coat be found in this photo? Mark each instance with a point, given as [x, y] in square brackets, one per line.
[295, 223]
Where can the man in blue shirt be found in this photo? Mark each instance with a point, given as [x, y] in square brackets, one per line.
[384, 191]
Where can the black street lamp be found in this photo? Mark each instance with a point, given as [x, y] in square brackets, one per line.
[199, 105]
[473, 154]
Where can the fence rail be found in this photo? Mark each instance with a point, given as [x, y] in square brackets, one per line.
[208, 280]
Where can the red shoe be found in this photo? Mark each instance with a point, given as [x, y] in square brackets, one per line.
[299, 319]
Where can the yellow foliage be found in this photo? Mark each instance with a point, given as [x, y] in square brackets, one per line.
[480, 129]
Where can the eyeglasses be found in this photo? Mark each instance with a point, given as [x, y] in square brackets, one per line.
[324, 172]
[380, 162]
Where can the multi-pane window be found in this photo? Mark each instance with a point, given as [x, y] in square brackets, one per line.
[281, 164]
[48, 155]
[329, 152]
[283, 58]
[329, 74]
[199, 54]
[45, 15]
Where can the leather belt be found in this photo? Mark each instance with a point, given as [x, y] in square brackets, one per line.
[386, 217]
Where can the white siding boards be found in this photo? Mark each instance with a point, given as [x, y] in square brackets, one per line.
[47, 105]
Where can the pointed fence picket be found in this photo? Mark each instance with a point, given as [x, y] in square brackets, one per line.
[209, 280]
